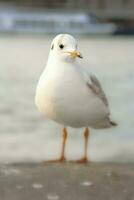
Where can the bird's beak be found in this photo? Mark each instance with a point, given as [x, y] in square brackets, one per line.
[75, 54]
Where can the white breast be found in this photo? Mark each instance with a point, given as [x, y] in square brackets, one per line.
[62, 95]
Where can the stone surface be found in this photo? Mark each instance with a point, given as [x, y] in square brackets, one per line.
[66, 181]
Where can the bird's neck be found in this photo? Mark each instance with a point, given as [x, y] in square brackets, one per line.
[56, 59]
[59, 66]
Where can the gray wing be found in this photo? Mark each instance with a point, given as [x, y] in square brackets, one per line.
[95, 86]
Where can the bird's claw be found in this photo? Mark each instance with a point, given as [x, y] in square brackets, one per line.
[60, 160]
[82, 161]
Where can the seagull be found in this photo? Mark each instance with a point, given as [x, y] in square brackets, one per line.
[70, 95]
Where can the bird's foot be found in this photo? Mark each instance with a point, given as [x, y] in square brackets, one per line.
[60, 160]
[83, 160]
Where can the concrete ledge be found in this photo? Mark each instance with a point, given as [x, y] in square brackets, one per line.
[67, 182]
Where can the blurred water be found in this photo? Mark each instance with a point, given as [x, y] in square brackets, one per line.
[26, 136]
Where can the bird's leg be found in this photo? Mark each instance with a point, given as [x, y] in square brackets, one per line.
[62, 157]
[86, 136]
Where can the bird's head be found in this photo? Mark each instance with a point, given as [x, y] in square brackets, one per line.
[64, 47]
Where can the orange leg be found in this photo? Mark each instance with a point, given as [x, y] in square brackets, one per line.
[62, 157]
[84, 159]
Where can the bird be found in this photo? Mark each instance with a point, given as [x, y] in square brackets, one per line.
[71, 95]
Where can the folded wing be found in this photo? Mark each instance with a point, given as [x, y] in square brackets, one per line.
[96, 88]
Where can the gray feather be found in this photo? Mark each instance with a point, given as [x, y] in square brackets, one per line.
[97, 89]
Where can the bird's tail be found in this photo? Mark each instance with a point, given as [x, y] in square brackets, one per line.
[113, 123]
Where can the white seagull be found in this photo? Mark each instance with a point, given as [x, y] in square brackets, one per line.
[70, 95]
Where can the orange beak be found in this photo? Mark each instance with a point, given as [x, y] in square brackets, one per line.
[75, 54]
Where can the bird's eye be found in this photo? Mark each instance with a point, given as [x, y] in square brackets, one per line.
[61, 46]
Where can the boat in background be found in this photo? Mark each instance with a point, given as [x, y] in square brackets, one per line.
[49, 21]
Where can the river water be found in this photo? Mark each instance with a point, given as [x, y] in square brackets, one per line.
[25, 135]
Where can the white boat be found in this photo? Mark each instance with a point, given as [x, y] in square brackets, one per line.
[52, 22]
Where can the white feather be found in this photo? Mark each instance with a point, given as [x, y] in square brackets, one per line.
[62, 93]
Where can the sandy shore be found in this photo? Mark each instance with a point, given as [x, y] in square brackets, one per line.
[66, 182]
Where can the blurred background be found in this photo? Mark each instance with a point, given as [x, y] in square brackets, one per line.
[104, 30]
